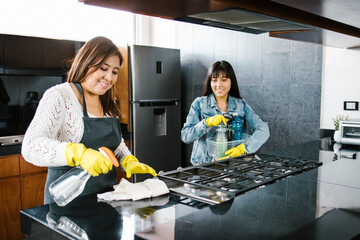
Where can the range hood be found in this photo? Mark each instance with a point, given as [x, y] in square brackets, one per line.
[244, 21]
[328, 23]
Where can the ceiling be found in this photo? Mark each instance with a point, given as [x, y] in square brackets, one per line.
[335, 23]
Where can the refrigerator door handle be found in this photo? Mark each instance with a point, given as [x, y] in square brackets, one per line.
[157, 102]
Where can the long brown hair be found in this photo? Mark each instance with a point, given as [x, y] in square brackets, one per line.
[90, 57]
[214, 70]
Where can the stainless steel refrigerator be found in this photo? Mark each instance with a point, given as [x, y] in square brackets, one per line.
[155, 103]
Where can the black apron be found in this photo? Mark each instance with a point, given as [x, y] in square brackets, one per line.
[98, 132]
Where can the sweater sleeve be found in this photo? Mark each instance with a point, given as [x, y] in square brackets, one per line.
[40, 145]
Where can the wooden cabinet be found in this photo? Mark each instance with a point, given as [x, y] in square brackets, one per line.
[32, 180]
[32, 52]
[122, 94]
[22, 52]
[10, 166]
[32, 195]
[26, 167]
[10, 206]
[21, 186]
[57, 53]
[122, 86]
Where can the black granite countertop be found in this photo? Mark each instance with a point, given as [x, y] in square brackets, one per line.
[322, 203]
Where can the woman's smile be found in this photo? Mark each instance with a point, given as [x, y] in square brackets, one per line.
[220, 85]
[104, 84]
[103, 78]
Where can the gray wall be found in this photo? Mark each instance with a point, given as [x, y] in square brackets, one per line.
[280, 79]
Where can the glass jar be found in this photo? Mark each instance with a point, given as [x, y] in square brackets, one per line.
[221, 140]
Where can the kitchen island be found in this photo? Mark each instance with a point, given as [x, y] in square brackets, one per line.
[322, 203]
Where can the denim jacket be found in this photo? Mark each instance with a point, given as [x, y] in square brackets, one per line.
[195, 129]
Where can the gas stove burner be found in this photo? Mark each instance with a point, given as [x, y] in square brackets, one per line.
[247, 182]
[267, 175]
[217, 183]
[243, 166]
[276, 164]
[246, 159]
[253, 173]
[230, 169]
[194, 178]
[230, 179]
[232, 187]
[285, 171]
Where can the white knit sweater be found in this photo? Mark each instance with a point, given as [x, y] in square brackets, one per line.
[58, 121]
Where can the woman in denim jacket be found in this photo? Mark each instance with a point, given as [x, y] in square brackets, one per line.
[221, 95]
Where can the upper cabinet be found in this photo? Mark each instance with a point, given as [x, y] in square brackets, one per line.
[56, 53]
[22, 55]
[22, 52]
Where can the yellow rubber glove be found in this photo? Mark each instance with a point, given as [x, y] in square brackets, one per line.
[215, 120]
[133, 166]
[89, 159]
[235, 151]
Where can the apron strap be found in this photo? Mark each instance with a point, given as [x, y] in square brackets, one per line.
[78, 87]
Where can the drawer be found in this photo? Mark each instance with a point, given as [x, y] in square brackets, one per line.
[26, 167]
[9, 165]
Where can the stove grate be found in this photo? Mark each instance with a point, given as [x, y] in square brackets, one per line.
[222, 180]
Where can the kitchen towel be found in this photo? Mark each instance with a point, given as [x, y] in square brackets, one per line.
[126, 190]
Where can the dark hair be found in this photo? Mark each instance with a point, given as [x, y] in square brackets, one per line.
[215, 69]
[90, 57]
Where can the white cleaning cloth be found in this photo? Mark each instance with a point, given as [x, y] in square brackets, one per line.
[126, 190]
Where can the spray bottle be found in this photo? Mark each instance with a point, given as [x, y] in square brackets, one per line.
[70, 185]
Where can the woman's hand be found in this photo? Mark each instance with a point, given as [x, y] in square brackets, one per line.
[89, 159]
[235, 151]
[133, 166]
[215, 120]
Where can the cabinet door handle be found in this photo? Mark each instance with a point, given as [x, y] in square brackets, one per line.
[10, 144]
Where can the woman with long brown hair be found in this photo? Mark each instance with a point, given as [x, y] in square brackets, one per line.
[74, 119]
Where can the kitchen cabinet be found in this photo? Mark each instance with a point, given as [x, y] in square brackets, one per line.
[32, 195]
[56, 53]
[10, 207]
[21, 186]
[32, 180]
[122, 86]
[122, 95]
[20, 52]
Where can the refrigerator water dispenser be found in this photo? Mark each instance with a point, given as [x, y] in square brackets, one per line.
[160, 122]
